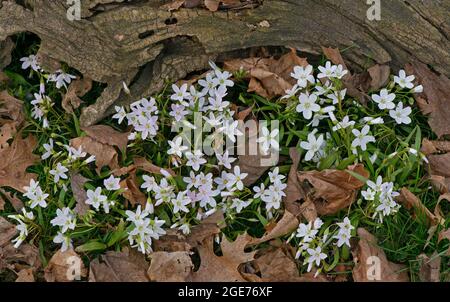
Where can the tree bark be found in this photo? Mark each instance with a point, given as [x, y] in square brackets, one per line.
[143, 44]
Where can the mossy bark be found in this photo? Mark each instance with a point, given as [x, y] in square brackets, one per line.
[143, 45]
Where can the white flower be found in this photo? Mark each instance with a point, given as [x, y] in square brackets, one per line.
[303, 75]
[64, 219]
[195, 160]
[307, 105]
[176, 146]
[362, 138]
[30, 190]
[239, 204]
[400, 114]
[112, 183]
[271, 199]
[225, 160]
[373, 121]
[231, 130]
[404, 81]
[236, 178]
[178, 112]
[61, 78]
[222, 79]
[418, 89]
[59, 172]
[180, 94]
[65, 241]
[369, 194]
[30, 61]
[315, 255]
[208, 84]
[149, 183]
[95, 198]
[259, 191]
[346, 225]
[291, 92]
[345, 123]
[312, 146]
[180, 202]
[275, 177]
[213, 120]
[147, 126]
[385, 100]
[340, 72]
[268, 140]
[327, 71]
[120, 115]
[48, 150]
[337, 96]
[38, 199]
[343, 238]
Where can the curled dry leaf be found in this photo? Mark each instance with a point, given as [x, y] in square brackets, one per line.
[126, 266]
[77, 182]
[132, 192]
[277, 265]
[9, 255]
[445, 235]
[212, 5]
[16, 158]
[430, 268]
[100, 141]
[379, 75]
[435, 99]
[25, 275]
[77, 89]
[268, 77]
[285, 225]
[371, 263]
[411, 201]
[61, 267]
[223, 268]
[170, 267]
[333, 190]
[13, 200]
[11, 117]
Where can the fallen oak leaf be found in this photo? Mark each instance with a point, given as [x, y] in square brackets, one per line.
[60, 267]
[16, 158]
[334, 189]
[435, 99]
[170, 267]
[285, 225]
[223, 268]
[125, 266]
[77, 89]
[445, 235]
[77, 182]
[7, 231]
[107, 135]
[363, 256]
[131, 192]
[430, 268]
[411, 201]
[13, 200]
[379, 75]
[25, 275]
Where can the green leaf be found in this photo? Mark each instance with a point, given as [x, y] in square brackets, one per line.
[91, 246]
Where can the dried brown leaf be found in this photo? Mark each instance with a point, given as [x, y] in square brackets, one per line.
[411, 201]
[366, 267]
[379, 75]
[105, 155]
[16, 158]
[430, 268]
[333, 189]
[12, 199]
[77, 182]
[212, 5]
[132, 192]
[25, 275]
[170, 267]
[60, 266]
[107, 135]
[435, 99]
[284, 226]
[223, 268]
[77, 89]
[445, 235]
[125, 266]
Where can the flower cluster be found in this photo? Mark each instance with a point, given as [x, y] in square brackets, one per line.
[22, 227]
[66, 220]
[384, 196]
[272, 195]
[42, 103]
[315, 241]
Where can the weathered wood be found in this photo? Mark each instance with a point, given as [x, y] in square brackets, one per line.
[141, 44]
